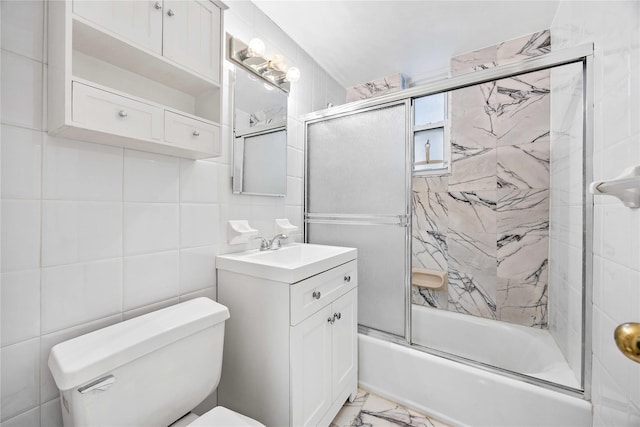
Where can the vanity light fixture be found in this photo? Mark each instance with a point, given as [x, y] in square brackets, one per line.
[251, 57]
[256, 48]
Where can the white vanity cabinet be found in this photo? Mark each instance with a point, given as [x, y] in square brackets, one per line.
[137, 73]
[290, 354]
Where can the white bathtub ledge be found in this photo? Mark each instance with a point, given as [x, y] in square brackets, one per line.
[462, 395]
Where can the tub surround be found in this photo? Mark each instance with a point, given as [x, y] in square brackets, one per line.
[487, 224]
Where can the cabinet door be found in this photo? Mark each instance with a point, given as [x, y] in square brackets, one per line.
[192, 35]
[344, 342]
[311, 369]
[139, 22]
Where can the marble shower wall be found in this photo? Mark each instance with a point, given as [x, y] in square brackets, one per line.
[487, 224]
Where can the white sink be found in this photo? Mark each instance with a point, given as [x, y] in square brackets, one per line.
[290, 264]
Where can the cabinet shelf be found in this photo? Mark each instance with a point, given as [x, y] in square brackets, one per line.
[112, 49]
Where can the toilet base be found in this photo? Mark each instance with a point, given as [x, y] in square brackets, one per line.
[218, 416]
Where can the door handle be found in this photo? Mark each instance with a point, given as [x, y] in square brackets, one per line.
[627, 338]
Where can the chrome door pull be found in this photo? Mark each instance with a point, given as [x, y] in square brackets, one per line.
[316, 294]
[170, 12]
[158, 5]
[123, 113]
[196, 133]
[347, 278]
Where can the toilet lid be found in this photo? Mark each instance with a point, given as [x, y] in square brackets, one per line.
[223, 417]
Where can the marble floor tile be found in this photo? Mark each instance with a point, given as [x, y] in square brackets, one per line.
[369, 410]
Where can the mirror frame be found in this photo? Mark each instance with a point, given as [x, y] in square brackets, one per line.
[238, 141]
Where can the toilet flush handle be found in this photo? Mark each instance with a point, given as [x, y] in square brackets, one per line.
[101, 384]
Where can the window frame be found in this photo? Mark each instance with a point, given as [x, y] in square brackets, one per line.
[445, 125]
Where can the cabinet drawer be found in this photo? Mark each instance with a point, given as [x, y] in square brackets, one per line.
[191, 134]
[107, 112]
[312, 294]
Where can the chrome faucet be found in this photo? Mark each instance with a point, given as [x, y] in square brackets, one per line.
[276, 243]
[271, 245]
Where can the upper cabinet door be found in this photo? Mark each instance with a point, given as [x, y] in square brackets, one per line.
[192, 35]
[139, 22]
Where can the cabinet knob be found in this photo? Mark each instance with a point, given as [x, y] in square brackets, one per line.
[331, 320]
[337, 316]
[170, 12]
[347, 278]
[123, 113]
[196, 133]
[158, 5]
[316, 294]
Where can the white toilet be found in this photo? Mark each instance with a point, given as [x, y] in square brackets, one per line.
[148, 371]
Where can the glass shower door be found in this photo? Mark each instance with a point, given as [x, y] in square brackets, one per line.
[357, 196]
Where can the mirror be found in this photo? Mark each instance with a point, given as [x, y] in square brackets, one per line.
[260, 137]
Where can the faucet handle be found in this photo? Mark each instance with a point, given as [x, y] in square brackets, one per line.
[264, 244]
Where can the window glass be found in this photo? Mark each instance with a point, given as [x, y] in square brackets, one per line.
[429, 152]
[429, 109]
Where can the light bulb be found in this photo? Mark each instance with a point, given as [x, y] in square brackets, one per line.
[256, 48]
[293, 75]
[278, 63]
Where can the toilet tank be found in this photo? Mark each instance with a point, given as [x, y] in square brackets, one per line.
[146, 371]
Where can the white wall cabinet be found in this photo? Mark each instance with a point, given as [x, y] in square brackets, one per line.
[290, 355]
[191, 35]
[138, 74]
[139, 22]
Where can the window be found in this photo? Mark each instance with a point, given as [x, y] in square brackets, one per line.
[431, 148]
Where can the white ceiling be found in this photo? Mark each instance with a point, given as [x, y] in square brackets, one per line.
[358, 41]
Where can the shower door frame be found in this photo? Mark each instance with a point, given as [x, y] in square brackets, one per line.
[578, 54]
[346, 219]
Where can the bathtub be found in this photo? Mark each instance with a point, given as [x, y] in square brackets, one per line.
[463, 395]
[513, 347]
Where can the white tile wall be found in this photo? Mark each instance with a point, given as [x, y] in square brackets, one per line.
[150, 278]
[195, 181]
[20, 378]
[78, 293]
[65, 160]
[93, 234]
[22, 94]
[27, 419]
[20, 234]
[21, 163]
[199, 225]
[20, 315]
[80, 231]
[197, 268]
[150, 177]
[150, 227]
[23, 28]
[614, 28]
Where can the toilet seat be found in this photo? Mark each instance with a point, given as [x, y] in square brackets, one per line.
[223, 417]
